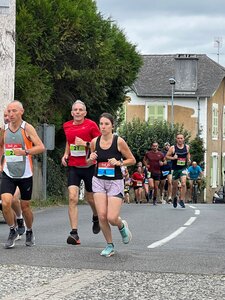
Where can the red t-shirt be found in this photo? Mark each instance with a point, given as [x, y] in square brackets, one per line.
[86, 131]
[139, 177]
[153, 159]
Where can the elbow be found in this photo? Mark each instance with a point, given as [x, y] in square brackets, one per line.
[134, 161]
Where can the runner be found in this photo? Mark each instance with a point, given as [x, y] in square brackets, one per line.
[79, 132]
[108, 150]
[179, 154]
[138, 184]
[20, 142]
[16, 201]
[166, 176]
[127, 185]
[153, 160]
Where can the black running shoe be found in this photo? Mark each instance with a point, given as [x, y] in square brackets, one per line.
[175, 202]
[95, 227]
[30, 239]
[21, 227]
[181, 202]
[73, 239]
[10, 243]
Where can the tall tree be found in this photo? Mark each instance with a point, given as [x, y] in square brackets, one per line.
[66, 50]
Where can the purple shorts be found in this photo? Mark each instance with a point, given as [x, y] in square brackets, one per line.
[113, 188]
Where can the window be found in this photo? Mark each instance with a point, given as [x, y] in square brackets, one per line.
[156, 112]
[215, 121]
[214, 171]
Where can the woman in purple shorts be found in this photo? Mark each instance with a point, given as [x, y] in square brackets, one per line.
[109, 152]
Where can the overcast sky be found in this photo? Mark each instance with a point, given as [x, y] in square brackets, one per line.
[170, 26]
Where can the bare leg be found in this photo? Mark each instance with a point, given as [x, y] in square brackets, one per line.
[73, 209]
[27, 213]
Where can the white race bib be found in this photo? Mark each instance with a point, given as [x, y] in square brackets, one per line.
[77, 150]
[10, 155]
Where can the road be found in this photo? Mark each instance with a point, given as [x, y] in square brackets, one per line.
[174, 254]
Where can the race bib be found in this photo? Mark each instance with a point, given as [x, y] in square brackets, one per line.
[10, 155]
[139, 183]
[105, 169]
[181, 161]
[77, 150]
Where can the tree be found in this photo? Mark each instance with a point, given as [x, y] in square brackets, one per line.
[197, 151]
[65, 50]
[140, 135]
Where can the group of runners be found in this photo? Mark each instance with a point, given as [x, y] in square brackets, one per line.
[93, 154]
[163, 175]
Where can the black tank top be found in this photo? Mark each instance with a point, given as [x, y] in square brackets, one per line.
[103, 169]
[181, 162]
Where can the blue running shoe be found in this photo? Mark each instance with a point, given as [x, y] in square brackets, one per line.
[108, 251]
[175, 202]
[125, 233]
[181, 202]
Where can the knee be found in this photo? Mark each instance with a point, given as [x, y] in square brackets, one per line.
[73, 199]
[112, 220]
[102, 218]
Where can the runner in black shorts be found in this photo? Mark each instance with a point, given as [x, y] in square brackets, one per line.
[79, 133]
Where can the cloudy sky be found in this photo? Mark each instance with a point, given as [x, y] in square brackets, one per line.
[171, 26]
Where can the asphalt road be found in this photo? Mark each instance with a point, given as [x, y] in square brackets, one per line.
[174, 254]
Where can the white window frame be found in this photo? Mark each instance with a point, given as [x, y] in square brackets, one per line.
[156, 103]
[214, 170]
[223, 122]
[215, 121]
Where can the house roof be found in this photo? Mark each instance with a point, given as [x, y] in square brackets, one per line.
[153, 77]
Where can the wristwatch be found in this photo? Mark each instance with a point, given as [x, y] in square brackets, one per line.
[87, 144]
[27, 152]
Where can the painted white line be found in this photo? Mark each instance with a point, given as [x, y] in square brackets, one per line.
[168, 238]
[190, 221]
[191, 206]
[197, 212]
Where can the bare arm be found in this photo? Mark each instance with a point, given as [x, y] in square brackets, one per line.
[37, 148]
[65, 155]
[126, 152]
[170, 154]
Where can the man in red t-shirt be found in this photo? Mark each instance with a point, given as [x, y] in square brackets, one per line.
[153, 160]
[79, 133]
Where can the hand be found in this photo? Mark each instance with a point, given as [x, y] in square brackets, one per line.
[19, 152]
[79, 142]
[175, 156]
[161, 163]
[64, 160]
[93, 156]
[114, 162]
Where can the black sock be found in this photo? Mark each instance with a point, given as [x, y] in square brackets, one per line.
[95, 218]
[73, 231]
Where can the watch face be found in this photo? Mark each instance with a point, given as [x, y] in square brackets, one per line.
[87, 144]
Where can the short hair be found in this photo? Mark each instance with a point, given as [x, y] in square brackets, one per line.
[79, 102]
[18, 103]
[107, 116]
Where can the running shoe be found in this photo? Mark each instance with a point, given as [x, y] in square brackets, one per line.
[181, 202]
[96, 227]
[10, 243]
[125, 233]
[108, 251]
[154, 201]
[175, 202]
[73, 239]
[30, 239]
[21, 227]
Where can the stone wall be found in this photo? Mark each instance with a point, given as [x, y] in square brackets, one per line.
[7, 53]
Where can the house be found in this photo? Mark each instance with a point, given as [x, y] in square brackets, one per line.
[197, 100]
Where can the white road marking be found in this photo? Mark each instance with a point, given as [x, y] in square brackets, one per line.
[177, 232]
[60, 288]
[168, 238]
[190, 221]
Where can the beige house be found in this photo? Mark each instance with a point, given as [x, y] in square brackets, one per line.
[197, 100]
